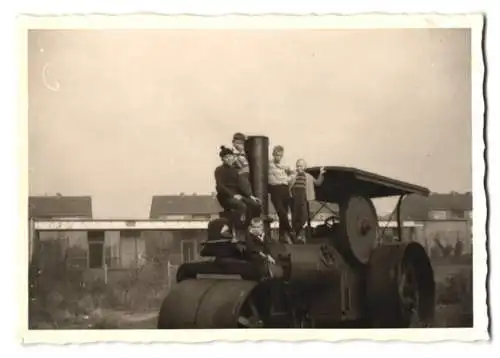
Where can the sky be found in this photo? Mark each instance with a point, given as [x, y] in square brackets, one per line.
[123, 115]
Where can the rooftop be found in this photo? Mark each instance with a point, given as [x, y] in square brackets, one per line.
[45, 207]
[415, 207]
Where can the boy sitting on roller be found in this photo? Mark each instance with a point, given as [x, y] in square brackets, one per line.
[233, 193]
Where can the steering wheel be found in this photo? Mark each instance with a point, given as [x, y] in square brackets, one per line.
[330, 222]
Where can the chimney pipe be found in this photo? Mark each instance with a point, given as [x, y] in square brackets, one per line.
[257, 152]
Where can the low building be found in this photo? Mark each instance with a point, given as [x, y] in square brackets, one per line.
[54, 245]
[97, 252]
[447, 218]
[113, 247]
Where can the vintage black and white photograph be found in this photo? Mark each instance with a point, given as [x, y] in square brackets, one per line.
[267, 177]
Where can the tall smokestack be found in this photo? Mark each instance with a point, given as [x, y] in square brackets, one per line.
[257, 151]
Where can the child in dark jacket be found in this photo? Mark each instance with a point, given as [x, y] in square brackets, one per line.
[257, 247]
[233, 193]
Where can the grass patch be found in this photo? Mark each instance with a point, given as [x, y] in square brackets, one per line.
[454, 295]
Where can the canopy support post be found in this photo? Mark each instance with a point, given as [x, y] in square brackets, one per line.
[398, 213]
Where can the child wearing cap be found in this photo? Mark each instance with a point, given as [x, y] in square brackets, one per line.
[240, 158]
[241, 161]
[233, 193]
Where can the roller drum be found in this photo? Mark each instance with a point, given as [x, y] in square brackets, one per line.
[204, 304]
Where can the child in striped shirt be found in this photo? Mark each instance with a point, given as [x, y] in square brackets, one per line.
[302, 192]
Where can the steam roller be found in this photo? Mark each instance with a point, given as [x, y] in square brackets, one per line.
[342, 277]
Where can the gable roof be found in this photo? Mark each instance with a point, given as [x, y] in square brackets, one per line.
[415, 207]
[60, 206]
[163, 205]
[183, 205]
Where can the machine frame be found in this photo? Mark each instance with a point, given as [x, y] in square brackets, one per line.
[341, 277]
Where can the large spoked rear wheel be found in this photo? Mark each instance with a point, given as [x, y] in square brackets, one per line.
[409, 297]
[400, 287]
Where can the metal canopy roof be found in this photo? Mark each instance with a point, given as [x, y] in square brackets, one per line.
[340, 181]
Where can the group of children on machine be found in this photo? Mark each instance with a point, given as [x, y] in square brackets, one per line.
[290, 190]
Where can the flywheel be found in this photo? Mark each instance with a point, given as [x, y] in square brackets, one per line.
[359, 226]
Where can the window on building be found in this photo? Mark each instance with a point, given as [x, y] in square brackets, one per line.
[201, 217]
[458, 214]
[96, 249]
[112, 256]
[188, 248]
[173, 217]
[438, 215]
